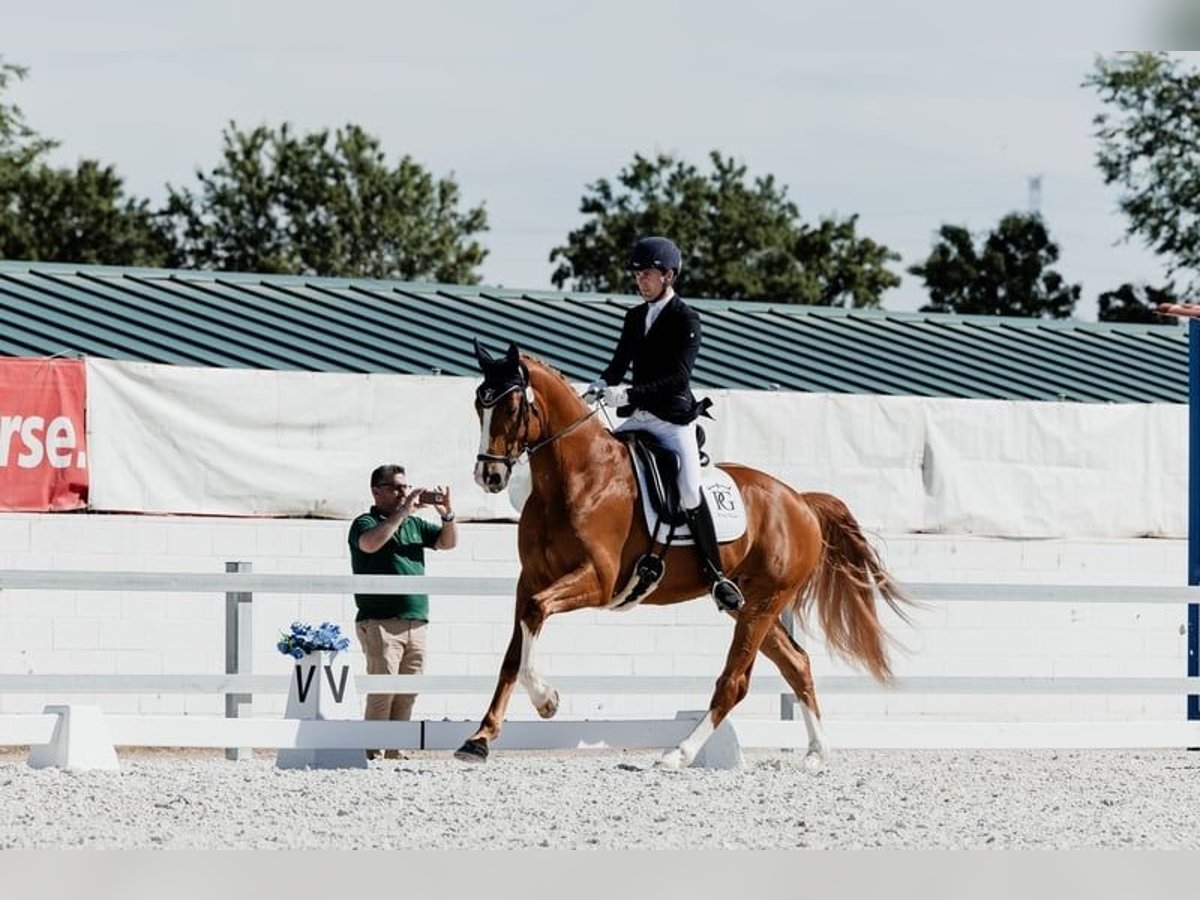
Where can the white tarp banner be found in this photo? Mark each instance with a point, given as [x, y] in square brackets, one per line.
[171, 439]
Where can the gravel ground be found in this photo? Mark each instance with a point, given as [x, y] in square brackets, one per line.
[613, 799]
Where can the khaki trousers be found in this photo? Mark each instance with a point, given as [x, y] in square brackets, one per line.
[392, 647]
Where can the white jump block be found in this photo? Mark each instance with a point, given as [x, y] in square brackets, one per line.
[81, 740]
[722, 750]
[322, 689]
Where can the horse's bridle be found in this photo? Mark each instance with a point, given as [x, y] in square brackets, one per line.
[489, 397]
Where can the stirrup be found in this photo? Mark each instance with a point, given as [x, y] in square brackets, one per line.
[727, 594]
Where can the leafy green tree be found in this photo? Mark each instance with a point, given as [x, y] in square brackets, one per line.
[322, 204]
[66, 215]
[740, 240]
[19, 144]
[1009, 274]
[1130, 303]
[78, 215]
[1149, 134]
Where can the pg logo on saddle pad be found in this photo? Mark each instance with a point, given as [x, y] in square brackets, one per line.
[722, 494]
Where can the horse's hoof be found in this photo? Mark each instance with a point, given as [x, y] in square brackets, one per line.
[474, 750]
[550, 707]
[813, 761]
[671, 761]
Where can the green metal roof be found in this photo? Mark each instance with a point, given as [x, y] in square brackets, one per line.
[363, 325]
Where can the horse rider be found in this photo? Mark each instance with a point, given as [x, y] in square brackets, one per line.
[660, 339]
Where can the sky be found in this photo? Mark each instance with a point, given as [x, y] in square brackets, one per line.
[525, 104]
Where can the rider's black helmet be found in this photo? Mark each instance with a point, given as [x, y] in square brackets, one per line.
[656, 253]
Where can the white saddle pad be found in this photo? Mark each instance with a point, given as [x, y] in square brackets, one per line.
[722, 495]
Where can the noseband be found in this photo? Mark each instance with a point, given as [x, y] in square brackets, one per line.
[489, 397]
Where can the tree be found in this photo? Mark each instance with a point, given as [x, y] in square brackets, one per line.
[318, 204]
[1008, 275]
[18, 142]
[66, 215]
[740, 240]
[1149, 138]
[80, 216]
[1135, 304]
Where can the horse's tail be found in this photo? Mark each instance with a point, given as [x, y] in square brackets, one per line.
[843, 588]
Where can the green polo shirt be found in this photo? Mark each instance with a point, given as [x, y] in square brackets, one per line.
[404, 554]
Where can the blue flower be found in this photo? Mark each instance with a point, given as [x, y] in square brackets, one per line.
[302, 638]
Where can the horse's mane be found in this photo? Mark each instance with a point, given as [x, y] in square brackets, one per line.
[569, 403]
[549, 370]
[526, 358]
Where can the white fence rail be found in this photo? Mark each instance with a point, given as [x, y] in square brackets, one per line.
[238, 683]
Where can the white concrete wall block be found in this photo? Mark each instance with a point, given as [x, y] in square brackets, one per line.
[1161, 645]
[472, 664]
[190, 538]
[182, 609]
[149, 540]
[692, 639]
[552, 664]
[143, 607]
[51, 604]
[76, 634]
[100, 604]
[654, 665]
[487, 542]
[279, 541]
[204, 657]
[56, 661]
[190, 562]
[16, 534]
[167, 704]
[25, 633]
[326, 542]
[22, 704]
[124, 634]
[15, 660]
[452, 609]
[203, 705]
[476, 638]
[141, 662]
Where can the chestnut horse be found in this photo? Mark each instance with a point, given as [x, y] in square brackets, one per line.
[581, 532]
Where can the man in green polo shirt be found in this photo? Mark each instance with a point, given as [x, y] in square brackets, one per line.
[390, 540]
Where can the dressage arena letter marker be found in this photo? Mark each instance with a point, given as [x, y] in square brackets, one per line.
[303, 684]
[321, 696]
[338, 690]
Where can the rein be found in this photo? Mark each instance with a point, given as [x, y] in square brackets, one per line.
[531, 449]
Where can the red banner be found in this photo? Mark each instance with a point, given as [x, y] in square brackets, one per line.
[43, 438]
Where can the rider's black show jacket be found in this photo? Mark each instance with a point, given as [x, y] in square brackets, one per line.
[662, 361]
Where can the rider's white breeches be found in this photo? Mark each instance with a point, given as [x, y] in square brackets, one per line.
[681, 439]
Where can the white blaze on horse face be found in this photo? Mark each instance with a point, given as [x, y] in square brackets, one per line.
[490, 475]
[485, 430]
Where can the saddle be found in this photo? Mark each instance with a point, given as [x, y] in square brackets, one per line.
[655, 469]
[658, 471]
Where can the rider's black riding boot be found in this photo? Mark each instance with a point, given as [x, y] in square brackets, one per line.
[724, 591]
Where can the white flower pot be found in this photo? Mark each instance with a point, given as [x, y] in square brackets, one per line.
[322, 688]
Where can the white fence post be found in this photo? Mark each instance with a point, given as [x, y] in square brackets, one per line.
[787, 700]
[239, 634]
